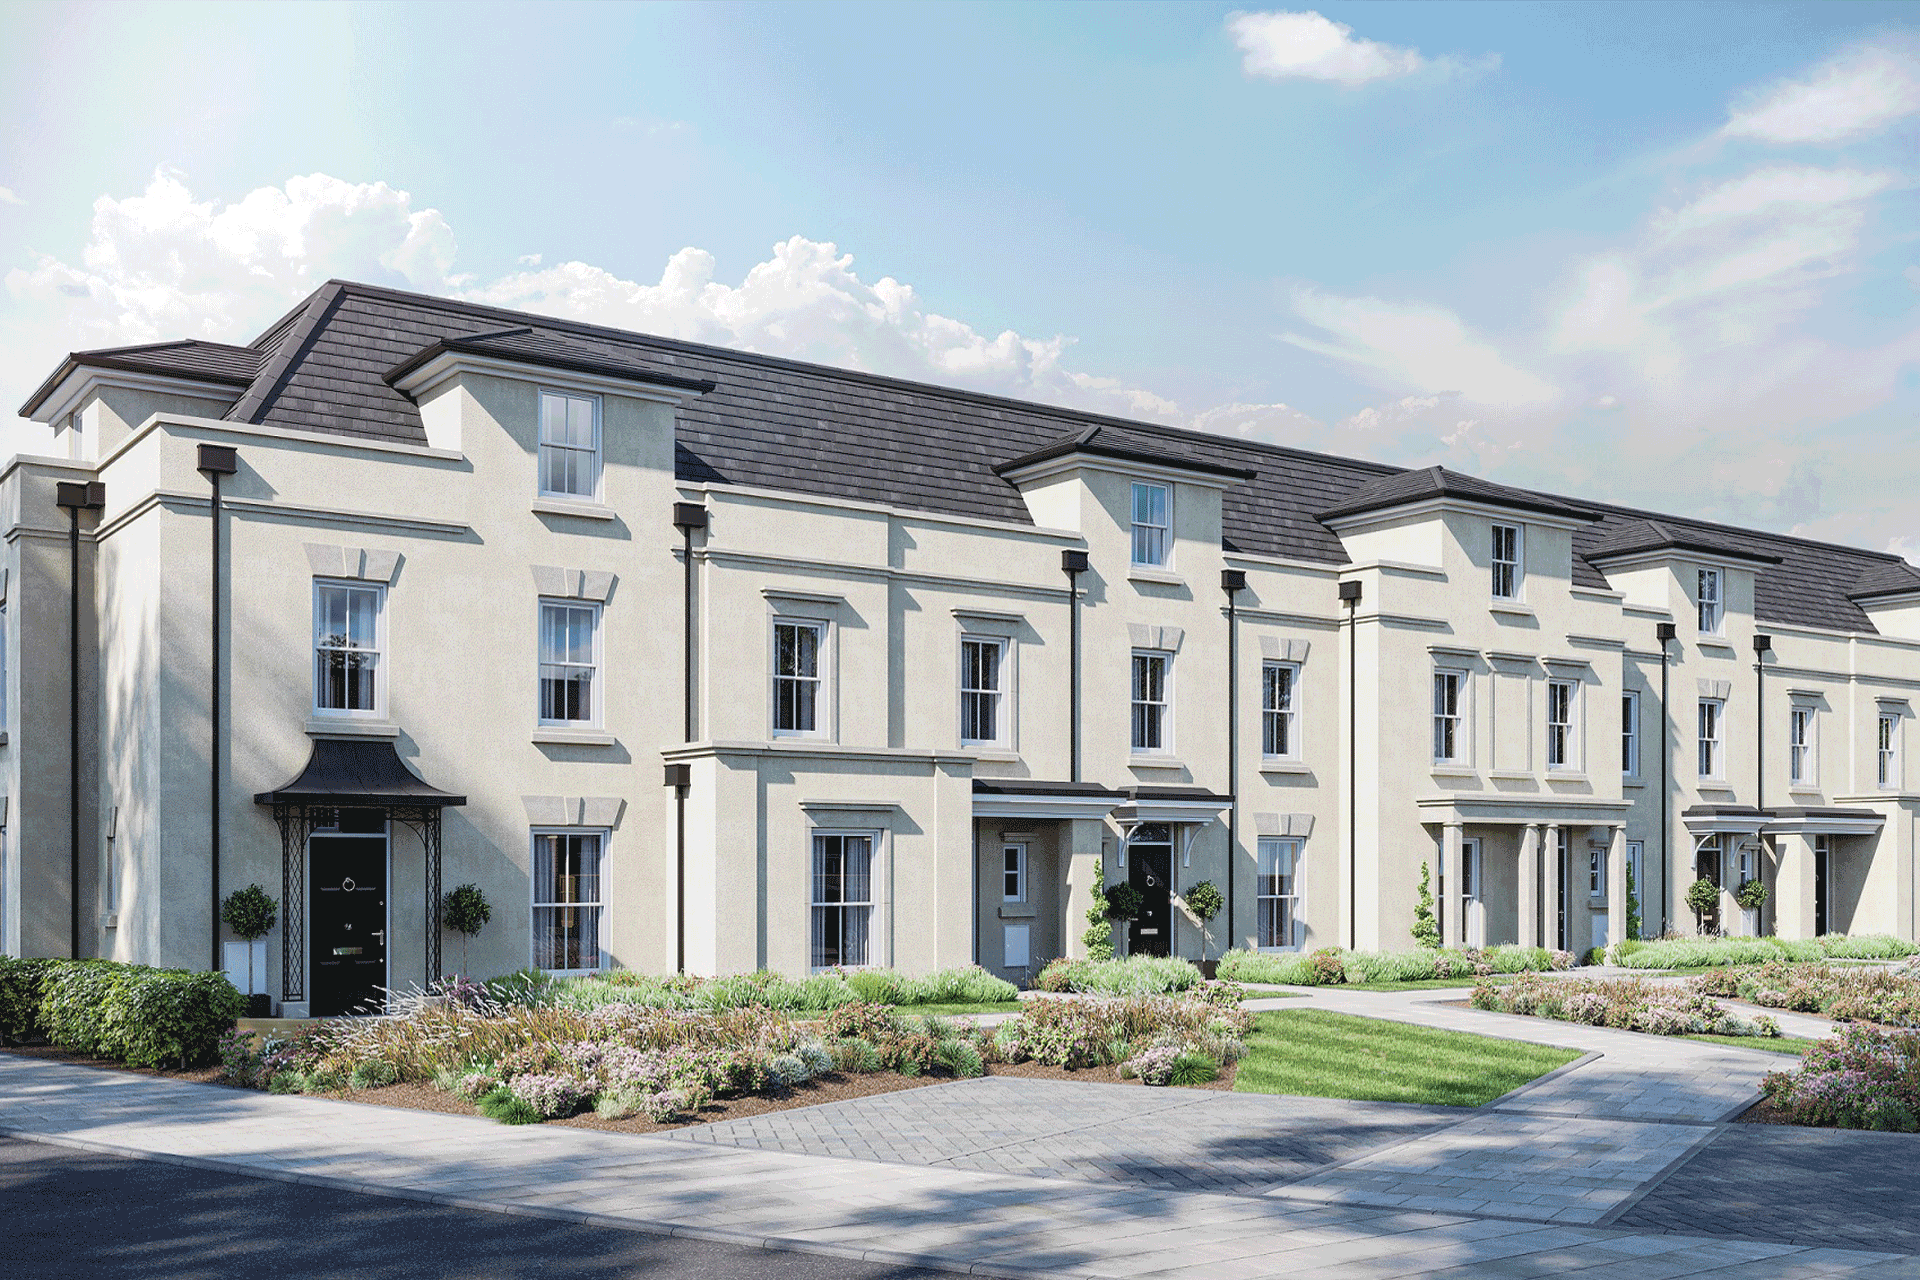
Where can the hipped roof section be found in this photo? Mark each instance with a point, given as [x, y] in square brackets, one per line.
[189, 359]
[841, 434]
[1431, 483]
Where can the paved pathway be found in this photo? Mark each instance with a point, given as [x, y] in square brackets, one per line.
[1359, 1219]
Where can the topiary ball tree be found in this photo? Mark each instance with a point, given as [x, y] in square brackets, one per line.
[1703, 898]
[1752, 895]
[1205, 901]
[465, 910]
[251, 913]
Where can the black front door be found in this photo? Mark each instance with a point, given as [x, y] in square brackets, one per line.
[1706, 866]
[349, 924]
[1822, 889]
[1150, 868]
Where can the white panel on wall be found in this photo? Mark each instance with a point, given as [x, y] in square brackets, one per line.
[1016, 946]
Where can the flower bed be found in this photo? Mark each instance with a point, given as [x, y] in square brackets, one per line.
[1862, 1079]
[1133, 976]
[526, 1063]
[813, 994]
[1705, 953]
[1630, 1004]
[1332, 965]
[1869, 994]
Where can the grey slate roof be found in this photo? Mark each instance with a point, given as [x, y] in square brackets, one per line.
[188, 358]
[1438, 482]
[784, 424]
[1636, 536]
[1886, 580]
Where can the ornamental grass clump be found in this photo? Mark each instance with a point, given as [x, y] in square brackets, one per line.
[1630, 1004]
[1331, 965]
[1103, 1032]
[1133, 976]
[1849, 992]
[1861, 1079]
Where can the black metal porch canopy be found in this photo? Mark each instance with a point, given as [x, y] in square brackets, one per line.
[350, 773]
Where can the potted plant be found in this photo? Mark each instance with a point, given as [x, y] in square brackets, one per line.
[1752, 895]
[1205, 901]
[251, 914]
[1703, 898]
[465, 910]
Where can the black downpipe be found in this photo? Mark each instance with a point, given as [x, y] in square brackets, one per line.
[1664, 632]
[1350, 592]
[1762, 646]
[687, 516]
[1073, 564]
[1233, 582]
[75, 498]
[215, 461]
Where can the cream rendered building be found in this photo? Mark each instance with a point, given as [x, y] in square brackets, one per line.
[696, 659]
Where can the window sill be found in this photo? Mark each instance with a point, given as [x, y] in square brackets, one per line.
[1508, 606]
[578, 510]
[1018, 911]
[327, 727]
[1286, 766]
[1460, 771]
[989, 752]
[1566, 775]
[1155, 762]
[1508, 775]
[1717, 647]
[1805, 793]
[1632, 782]
[574, 738]
[1158, 577]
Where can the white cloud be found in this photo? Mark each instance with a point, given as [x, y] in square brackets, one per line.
[1420, 347]
[1852, 95]
[9, 196]
[1283, 45]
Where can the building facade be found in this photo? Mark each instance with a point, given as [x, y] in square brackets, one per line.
[690, 658]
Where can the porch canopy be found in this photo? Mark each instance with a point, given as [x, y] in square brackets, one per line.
[350, 773]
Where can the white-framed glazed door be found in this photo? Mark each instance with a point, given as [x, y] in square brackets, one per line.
[1473, 911]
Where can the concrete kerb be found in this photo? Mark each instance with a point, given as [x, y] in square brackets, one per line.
[1652, 1184]
[1590, 1056]
[716, 1235]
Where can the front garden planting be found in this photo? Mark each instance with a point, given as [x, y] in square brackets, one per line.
[1707, 953]
[530, 1061]
[1877, 993]
[124, 1013]
[1332, 966]
[1628, 1004]
[1861, 1079]
[816, 993]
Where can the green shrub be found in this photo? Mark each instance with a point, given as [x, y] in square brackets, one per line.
[133, 1014]
[1192, 1068]
[1329, 966]
[501, 1105]
[249, 912]
[877, 986]
[967, 985]
[1133, 976]
[1512, 958]
[1702, 953]
[75, 999]
[1866, 946]
[1124, 902]
[1426, 930]
[20, 983]
[1099, 934]
[1280, 968]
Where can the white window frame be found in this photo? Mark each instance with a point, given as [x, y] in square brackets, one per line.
[1630, 733]
[1013, 870]
[1887, 756]
[535, 907]
[593, 454]
[822, 633]
[1455, 718]
[1294, 850]
[1159, 712]
[1712, 604]
[378, 590]
[1636, 864]
[1711, 754]
[1563, 735]
[1158, 537]
[596, 668]
[1508, 572]
[1803, 730]
[1596, 871]
[1282, 713]
[816, 904]
[999, 703]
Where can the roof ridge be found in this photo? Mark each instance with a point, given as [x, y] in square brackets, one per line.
[1088, 416]
[273, 373]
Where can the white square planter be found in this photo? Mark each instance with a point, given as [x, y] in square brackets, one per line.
[236, 963]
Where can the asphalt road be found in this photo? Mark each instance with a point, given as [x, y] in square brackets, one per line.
[66, 1213]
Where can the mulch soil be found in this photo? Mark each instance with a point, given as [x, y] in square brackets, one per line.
[836, 1087]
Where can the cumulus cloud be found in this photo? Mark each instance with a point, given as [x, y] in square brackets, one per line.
[1421, 347]
[9, 196]
[1283, 45]
[1857, 93]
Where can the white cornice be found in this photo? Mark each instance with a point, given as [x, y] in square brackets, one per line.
[1429, 507]
[1066, 464]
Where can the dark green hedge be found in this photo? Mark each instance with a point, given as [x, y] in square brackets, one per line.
[126, 1012]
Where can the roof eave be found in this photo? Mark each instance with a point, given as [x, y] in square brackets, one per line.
[454, 347]
[1166, 461]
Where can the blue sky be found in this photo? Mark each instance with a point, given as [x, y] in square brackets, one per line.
[1659, 253]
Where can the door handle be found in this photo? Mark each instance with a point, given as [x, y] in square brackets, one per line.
[380, 936]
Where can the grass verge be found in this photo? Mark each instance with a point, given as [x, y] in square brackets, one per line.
[1772, 1044]
[941, 1010]
[1319, 1054]
[1427, 984]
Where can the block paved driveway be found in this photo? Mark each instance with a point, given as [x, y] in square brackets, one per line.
[1178, 1139]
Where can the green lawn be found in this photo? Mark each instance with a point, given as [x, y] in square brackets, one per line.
[1772, 1044]
[1318, 1054]
[941, 1010]
[1424, 984]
